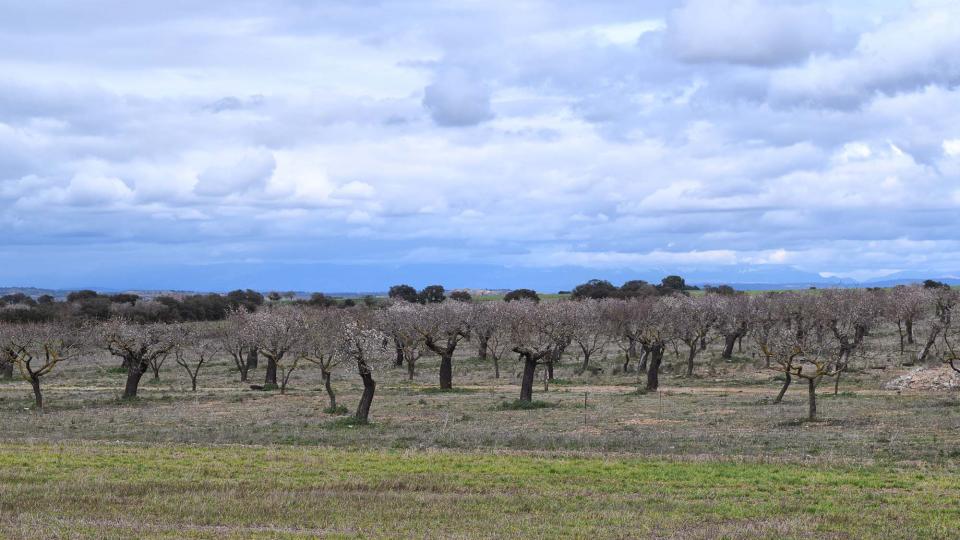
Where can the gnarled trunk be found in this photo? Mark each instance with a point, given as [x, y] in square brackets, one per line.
[446, 372]
[369, 387]
[329, 388]
[134, 374]
[642, 364]
[411, 368]
[398, 346]
[482, 351]
[909, 325]
[253, 359]
[729, 341]
[653, 370]
[526, 384]
[783, 389]
[812, 393]
[496, 367]
[270, 380]
[690, 356]
[37, 395]
[922, 355]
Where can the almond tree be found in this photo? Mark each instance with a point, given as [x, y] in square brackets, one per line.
[193, 348]
[137, 345]
[943, 300]
[529, 325]
[400, 321]
[490, 320]
[361, 340]
[692, 318]
[906, 306]
[590, 327]
[559, 325]
[37, 348]
[442, 326]
[624, 320]
[277, 331]
[848, 314]
[324, 327]
[238, 340]
[732, 321]
[798, 354]
[654, 318]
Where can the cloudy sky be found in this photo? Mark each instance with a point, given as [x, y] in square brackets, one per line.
[349, 145]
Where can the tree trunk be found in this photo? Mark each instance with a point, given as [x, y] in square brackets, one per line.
[900, 333]
[37, 395]
[922, 355]
[585, 364]
[446, 372]
[812, 392]
[703, 344]
[399, 348]
[526, 384]
[482, 352]
[644, 354]
[496, 367]
[740, 343]
[783, 389]
[728, 342]
[550, 370]
[253, 359]
[653, 371]
[369, 386]
[193, 384]
[690, 356]
[909, 324]
[271, 378]
[244, 370]
[329, 388]
[411, 368]
[134, 373]
[156, 371]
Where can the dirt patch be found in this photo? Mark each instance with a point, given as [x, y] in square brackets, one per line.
[926, 378]
[649, 422]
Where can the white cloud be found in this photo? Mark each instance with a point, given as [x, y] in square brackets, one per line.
[756, 32]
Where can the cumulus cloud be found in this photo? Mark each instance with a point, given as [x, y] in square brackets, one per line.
[251, 171]
[457, 99]
[755, 32]
[909, 53]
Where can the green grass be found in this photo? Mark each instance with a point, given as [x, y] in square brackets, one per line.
[178, 491]
[521, 405]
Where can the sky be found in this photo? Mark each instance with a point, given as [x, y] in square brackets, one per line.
[339, 146]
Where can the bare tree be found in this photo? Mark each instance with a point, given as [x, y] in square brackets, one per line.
[362, 341]
[692, 318]
[944, 300]
[277, 330]
[37, 348]
[799, 355]
[194, 348]
[442, 326]
[324, 328]
[238, 339]
[490, 320]
[590, 328]
[732, 321]
[907, 304]
[529, 325]
[656, 327]
[848, 314]
[137, 345]
[400, 321]
[624, 320]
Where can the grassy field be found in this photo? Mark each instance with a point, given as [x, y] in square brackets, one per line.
[708, 456]
[119, 490]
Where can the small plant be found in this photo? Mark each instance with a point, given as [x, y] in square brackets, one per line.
[338, 410]
[523, 405]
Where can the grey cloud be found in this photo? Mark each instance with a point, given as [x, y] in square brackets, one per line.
[755, 32]
[456, 99]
